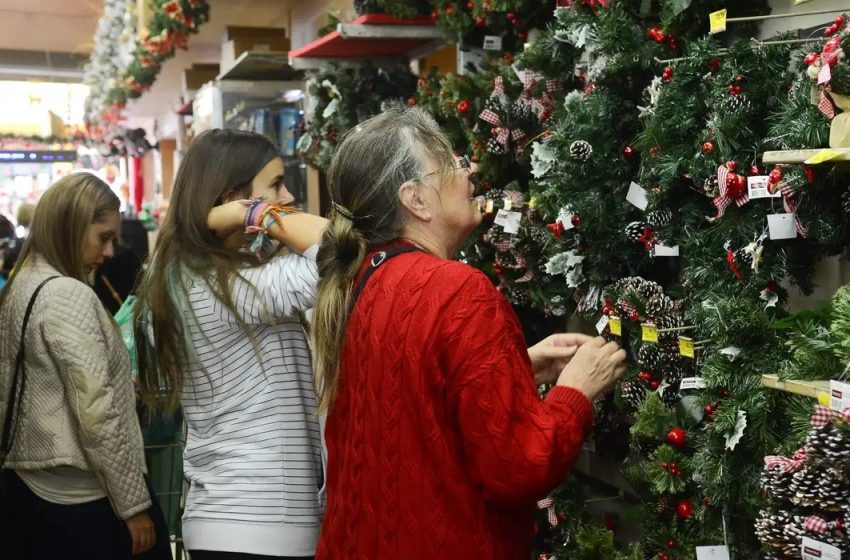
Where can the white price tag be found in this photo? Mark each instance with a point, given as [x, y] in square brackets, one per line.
[601, 324]
[637, 196]
[492, 43]
[810, 549]
[508, 220]
[782, 226]
[757, 187]
[839, 395]
[692, 383]
[712, 553]
[665, 251]
[565, 218]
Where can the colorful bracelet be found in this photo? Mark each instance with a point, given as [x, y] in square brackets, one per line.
[258, 221]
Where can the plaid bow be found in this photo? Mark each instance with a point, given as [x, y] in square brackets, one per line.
[516, 198]
[791, 207]
[627, 307]
[821, 526]
[825, 106]
[823, 416]
[549, 505]
[784, 464]
[723, 201]
[500, 132]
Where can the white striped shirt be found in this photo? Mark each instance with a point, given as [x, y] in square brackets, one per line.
[253, 452]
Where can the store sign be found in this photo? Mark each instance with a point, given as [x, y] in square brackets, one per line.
[811, 549]
[37, 156]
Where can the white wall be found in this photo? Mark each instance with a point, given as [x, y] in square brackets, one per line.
[772, 26]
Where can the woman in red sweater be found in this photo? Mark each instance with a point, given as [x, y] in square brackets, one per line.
[438, 443]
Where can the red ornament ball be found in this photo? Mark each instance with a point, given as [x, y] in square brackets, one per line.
[654, 384]
[672, 544]
[667, 75]
[480, 22]
[663, 556]
[732, 166]
[708, 147]
[839, 21]
[576, 220]
[775, 175]
[463, 106]
[522, 35]
[685, 509]
[811, 58]
[831, 30]
[434, 16]
[450, 9]
[634, 315]
[511, 16]
[411, 101]
[629, 152]
[709, 410]
[736, 185]
[677, 437]
[645, 375]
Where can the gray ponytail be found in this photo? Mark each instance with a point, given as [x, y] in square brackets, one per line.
[370, 165]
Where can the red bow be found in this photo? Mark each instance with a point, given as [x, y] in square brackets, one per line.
[556, 228]
[821, 526]
[648, 238]
[791, 207]
[723, 201]
[784, 464]
[823, 416]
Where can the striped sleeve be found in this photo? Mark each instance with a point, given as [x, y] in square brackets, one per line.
[276, 290]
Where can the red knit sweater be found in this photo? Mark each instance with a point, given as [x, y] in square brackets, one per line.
[438, 443]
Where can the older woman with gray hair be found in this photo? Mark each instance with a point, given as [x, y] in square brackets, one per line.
[438, 443]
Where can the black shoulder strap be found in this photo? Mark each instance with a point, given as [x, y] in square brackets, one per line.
[10, 423]
[377, 260]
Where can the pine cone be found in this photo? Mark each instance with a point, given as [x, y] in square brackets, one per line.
[493, 104]
[743, 259]
[711, 187]
[580, 150]
[634, 230]
[660, 217]
[662, 506]
[633, 393]
[521, 110]
[649, 356]
[520, 298]
[494, 147]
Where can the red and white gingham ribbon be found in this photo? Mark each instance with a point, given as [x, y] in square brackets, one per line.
[500, 132]
[786, 465]
[515, 197]
[627, 307]
[503, 245]
[825, 106]
[823, 416]
[791, 208]
[549, 505]
[723, 201]
[554, 85]
[821, 526]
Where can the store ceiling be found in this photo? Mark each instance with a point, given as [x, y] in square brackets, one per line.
[60, 26]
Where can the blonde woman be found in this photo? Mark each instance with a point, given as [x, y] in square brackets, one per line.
[219, 332]
[74, 472]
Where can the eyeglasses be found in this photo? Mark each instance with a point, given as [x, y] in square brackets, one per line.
[461, 162]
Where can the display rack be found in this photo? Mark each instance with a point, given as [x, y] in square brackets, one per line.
[373, 37]
[260, 66]
[801, 156]
[812, 389]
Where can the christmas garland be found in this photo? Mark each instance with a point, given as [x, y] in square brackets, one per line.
[121, 68]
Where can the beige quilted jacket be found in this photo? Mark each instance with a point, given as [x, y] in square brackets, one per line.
[78, 407]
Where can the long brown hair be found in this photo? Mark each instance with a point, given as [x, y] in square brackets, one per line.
[370, 165]
[218, 164]
[60, 223]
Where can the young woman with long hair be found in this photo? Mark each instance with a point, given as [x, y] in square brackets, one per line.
[218, 330]
[74, 475]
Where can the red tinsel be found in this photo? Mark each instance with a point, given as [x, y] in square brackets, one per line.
[733, 266]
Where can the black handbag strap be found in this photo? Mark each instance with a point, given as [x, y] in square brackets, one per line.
[377, 260]
[10, 423]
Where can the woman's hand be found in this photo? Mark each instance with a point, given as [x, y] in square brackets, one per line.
[552, 354]
[594, 367]
[142, 532]
[228, 218]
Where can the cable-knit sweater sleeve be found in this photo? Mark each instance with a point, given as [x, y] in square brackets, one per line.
[75, 338]
[517, 446]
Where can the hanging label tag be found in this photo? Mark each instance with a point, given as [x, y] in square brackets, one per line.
[565, 218]
[492, 43]
[601, 324]
[782, 226]
[508, 204]
[489, 206]
[616, 326]
[508, 220]
[839, 394]
[649, 332]
[822, 156]
[692, 383]
[717, 22]
[713, 552]
[665, 251]
[810, 549]
[758, 187]
[637, 196]
[686, 346]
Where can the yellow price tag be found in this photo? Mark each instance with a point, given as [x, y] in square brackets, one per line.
[822, 156]
[649, 332]
[717, 22]
[686, 346]
[533, 202]
[615, 325]
[489, 207]
[824, 399]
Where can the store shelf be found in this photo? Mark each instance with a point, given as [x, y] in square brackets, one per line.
[260, 66]
[811, 389]
[801, 156]
[371, 37]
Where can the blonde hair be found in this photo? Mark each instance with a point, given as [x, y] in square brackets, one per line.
[61, 221]
[24, 215]
[370, 165]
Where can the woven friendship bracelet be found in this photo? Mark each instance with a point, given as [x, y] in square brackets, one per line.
[259, 221]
